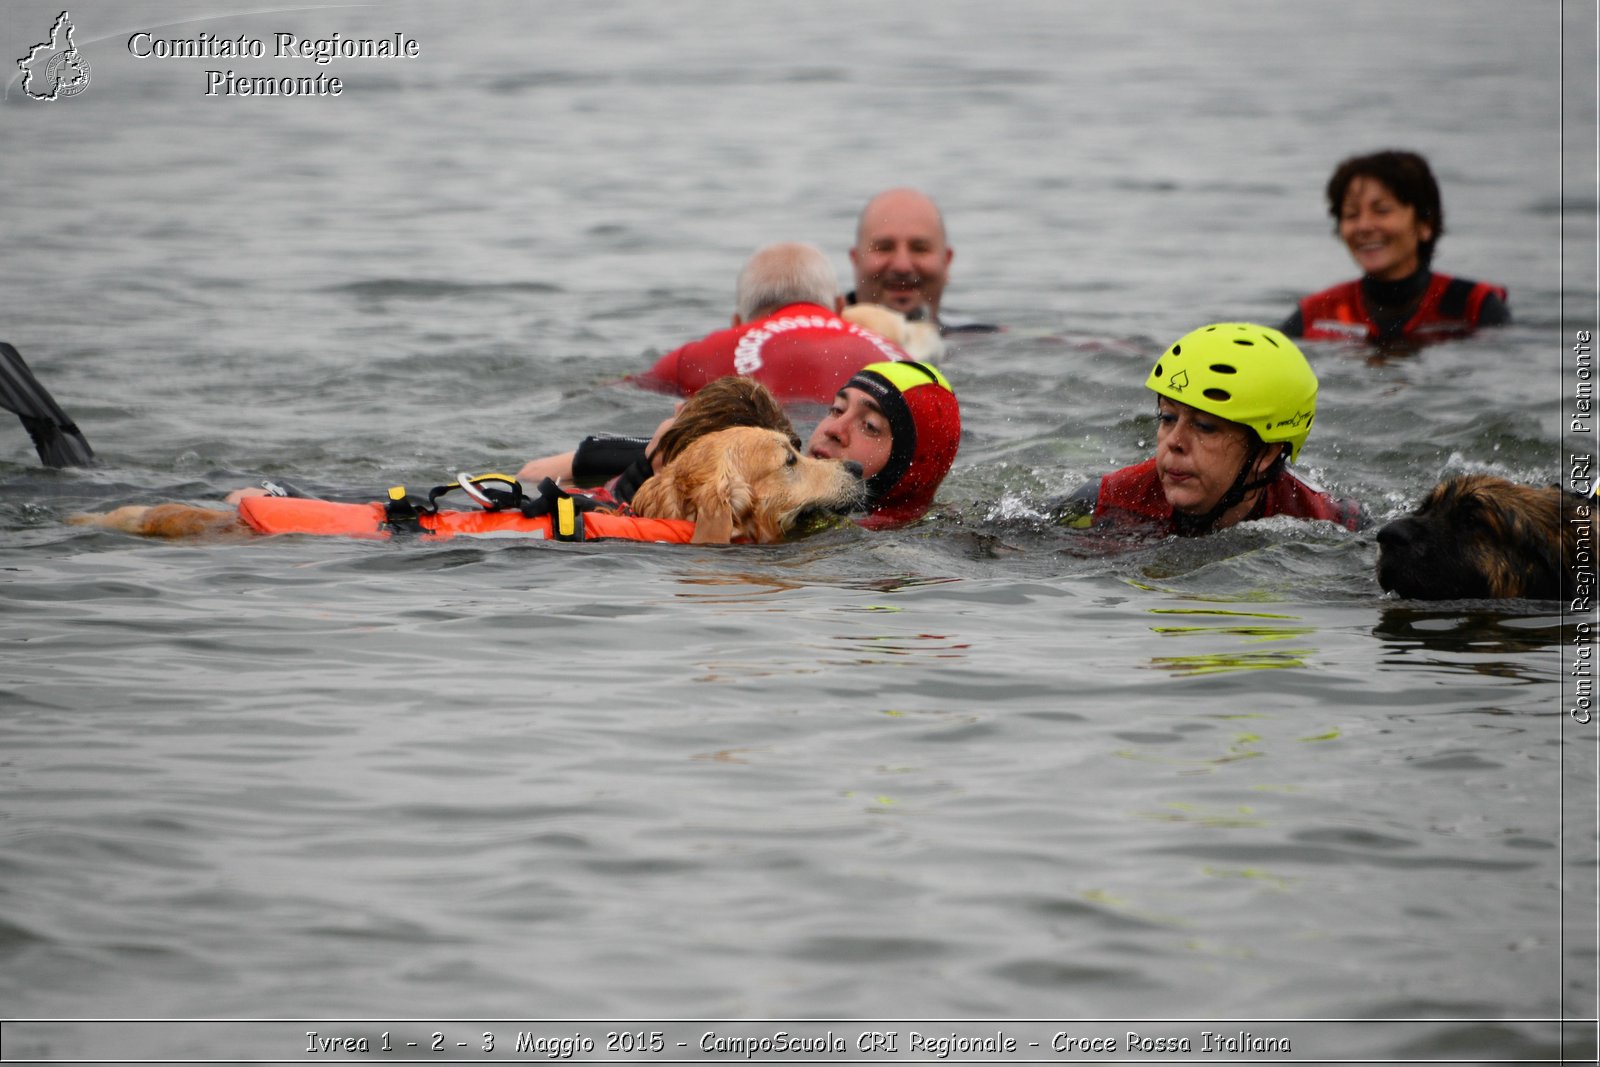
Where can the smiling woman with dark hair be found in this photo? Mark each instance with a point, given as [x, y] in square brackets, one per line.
[1387, 210]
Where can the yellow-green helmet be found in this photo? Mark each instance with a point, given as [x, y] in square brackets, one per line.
[1244, 373]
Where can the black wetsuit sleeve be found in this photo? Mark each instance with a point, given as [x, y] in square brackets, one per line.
[1077, 507]
[1294, 325]
[604, 456]
[1494, 311]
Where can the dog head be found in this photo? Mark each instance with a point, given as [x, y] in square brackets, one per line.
[1477, 537]
[747, 484]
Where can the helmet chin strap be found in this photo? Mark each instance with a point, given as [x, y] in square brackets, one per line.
[1194, 525]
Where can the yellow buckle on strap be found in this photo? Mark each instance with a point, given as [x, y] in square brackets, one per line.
[566, 524]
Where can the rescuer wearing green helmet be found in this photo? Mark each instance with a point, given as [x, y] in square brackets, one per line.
[1235, 402]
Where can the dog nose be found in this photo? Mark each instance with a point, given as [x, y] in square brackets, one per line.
[853, 467]
[1396, 534]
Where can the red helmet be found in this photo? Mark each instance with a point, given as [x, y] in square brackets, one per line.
[925, 421]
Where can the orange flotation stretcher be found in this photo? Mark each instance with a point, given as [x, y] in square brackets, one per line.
[554, 515]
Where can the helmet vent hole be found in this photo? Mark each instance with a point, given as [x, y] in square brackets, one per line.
[1224, 368]
[1243, 341]
[1177, 350]
[1157, 372]
[1219, 395]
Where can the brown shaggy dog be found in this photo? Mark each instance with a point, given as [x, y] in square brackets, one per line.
[1477, 537]
[740, 484]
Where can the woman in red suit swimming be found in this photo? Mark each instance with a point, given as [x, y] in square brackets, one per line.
[1387, 211]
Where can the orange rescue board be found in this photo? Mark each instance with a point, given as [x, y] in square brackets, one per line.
[327, 518]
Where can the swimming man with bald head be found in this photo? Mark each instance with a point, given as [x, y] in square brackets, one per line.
[902, 256]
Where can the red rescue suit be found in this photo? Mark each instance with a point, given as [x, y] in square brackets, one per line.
[1450, 307]
[800, 352]
[1132, 497]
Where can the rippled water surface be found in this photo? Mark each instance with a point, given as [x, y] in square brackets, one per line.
[979, 769]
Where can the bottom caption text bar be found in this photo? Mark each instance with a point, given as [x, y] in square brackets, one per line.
[777, 1041]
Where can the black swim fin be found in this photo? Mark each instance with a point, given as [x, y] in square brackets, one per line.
[54, 435]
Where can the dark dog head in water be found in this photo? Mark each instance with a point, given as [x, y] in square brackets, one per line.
[1477, 537]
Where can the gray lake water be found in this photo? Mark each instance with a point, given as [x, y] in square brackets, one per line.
[975, 770]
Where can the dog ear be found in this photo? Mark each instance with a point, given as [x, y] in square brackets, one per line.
[719, 504]
[722, 503]
[1515, 542]
[697, 485]
[1532, 531]
[713, 525]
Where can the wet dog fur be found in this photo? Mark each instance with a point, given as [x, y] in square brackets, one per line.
[1480, 537]
[740, 484]
[920, 340]
[747, 484]
[175, 522]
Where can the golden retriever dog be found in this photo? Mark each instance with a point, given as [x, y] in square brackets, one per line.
[744, 484]
[747, 484]
[920, 340]
[1479, 537]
